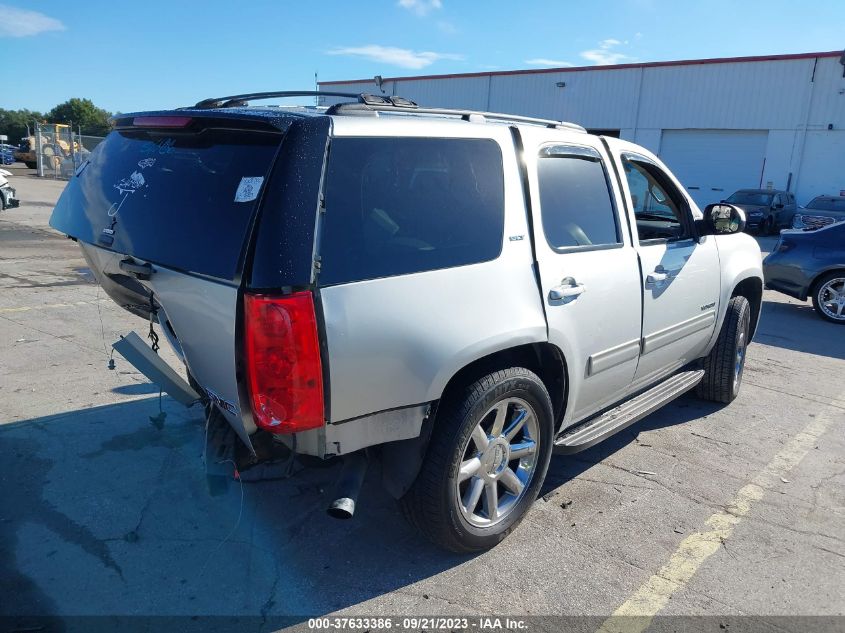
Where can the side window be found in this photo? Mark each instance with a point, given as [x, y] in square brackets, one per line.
[396, 206]
[575, 201]
[658, 208]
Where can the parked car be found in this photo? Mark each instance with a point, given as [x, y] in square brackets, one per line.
[453, 294]
[821, 211]
[766, 210]
[8, 197]
[811, 263]
[7, 154]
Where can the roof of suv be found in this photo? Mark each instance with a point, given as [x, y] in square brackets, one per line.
[237, 107]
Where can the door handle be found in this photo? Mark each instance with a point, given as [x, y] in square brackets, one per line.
[568, 289]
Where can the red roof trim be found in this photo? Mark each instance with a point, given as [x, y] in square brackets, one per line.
[570, 69]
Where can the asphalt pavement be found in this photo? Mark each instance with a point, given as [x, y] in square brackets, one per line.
[698, 509]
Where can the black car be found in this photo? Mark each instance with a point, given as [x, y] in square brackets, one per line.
[811, 263]
[821, 211]
[766, 210]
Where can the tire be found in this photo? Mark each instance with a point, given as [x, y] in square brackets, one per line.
[765, 227]
[31, 165]
[435, 503]
[724, 365]
[826, 290]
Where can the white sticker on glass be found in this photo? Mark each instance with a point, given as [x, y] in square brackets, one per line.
[248, 189]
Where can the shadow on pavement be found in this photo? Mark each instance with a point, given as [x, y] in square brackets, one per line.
[102, 513]
[564, 468]
[797, 327]
[137, 389]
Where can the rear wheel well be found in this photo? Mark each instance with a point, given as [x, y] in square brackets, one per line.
[401, 461]
[544, 359]
[751, 289]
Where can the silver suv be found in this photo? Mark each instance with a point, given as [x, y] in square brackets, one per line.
[450, 294]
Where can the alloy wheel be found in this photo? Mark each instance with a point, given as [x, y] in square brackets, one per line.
[831, 298]
[498, 463]
[739, 360]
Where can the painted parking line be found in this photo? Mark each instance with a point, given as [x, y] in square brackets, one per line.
[636, 613]
[51, 305]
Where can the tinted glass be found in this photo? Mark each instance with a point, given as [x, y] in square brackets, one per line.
[284, 242]
[575, 200]
[180, 200]
[402, 205]
[656, 208]
[827, 204]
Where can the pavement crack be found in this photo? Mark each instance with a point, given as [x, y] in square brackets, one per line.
[613, 483]
[790, 528]
[270, 602]
[712, 439]
[826, 402]
[830, 551]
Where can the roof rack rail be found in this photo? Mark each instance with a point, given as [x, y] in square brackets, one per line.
[398, 104]
[234, 101]
[366, 102]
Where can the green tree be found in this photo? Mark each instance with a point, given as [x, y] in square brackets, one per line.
[13, 123]
[82, 113]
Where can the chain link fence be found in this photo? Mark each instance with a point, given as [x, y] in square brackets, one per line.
[56, 150]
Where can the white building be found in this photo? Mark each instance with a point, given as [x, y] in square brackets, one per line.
[720, 124]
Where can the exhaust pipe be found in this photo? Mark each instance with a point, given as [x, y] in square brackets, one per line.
[348, 486]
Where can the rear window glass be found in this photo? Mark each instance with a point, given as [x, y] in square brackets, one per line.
[183, 200]
[402, 205]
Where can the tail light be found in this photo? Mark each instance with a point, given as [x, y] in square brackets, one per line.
[284, 372]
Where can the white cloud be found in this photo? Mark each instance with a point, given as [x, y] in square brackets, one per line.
[604, 56]
[447, 28]
[16, 22]
[402, 57]
[544, 61]
[420, 7]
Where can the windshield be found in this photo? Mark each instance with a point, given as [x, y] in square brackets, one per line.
[828, 204]
[180, 200]
[751, 197]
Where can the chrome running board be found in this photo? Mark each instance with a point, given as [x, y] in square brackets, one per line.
[605, 424]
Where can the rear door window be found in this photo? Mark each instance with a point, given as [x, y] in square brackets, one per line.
[396, 206]
[575, 201]
[184, 200]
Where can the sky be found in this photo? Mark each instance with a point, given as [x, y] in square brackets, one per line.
[168, 53]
